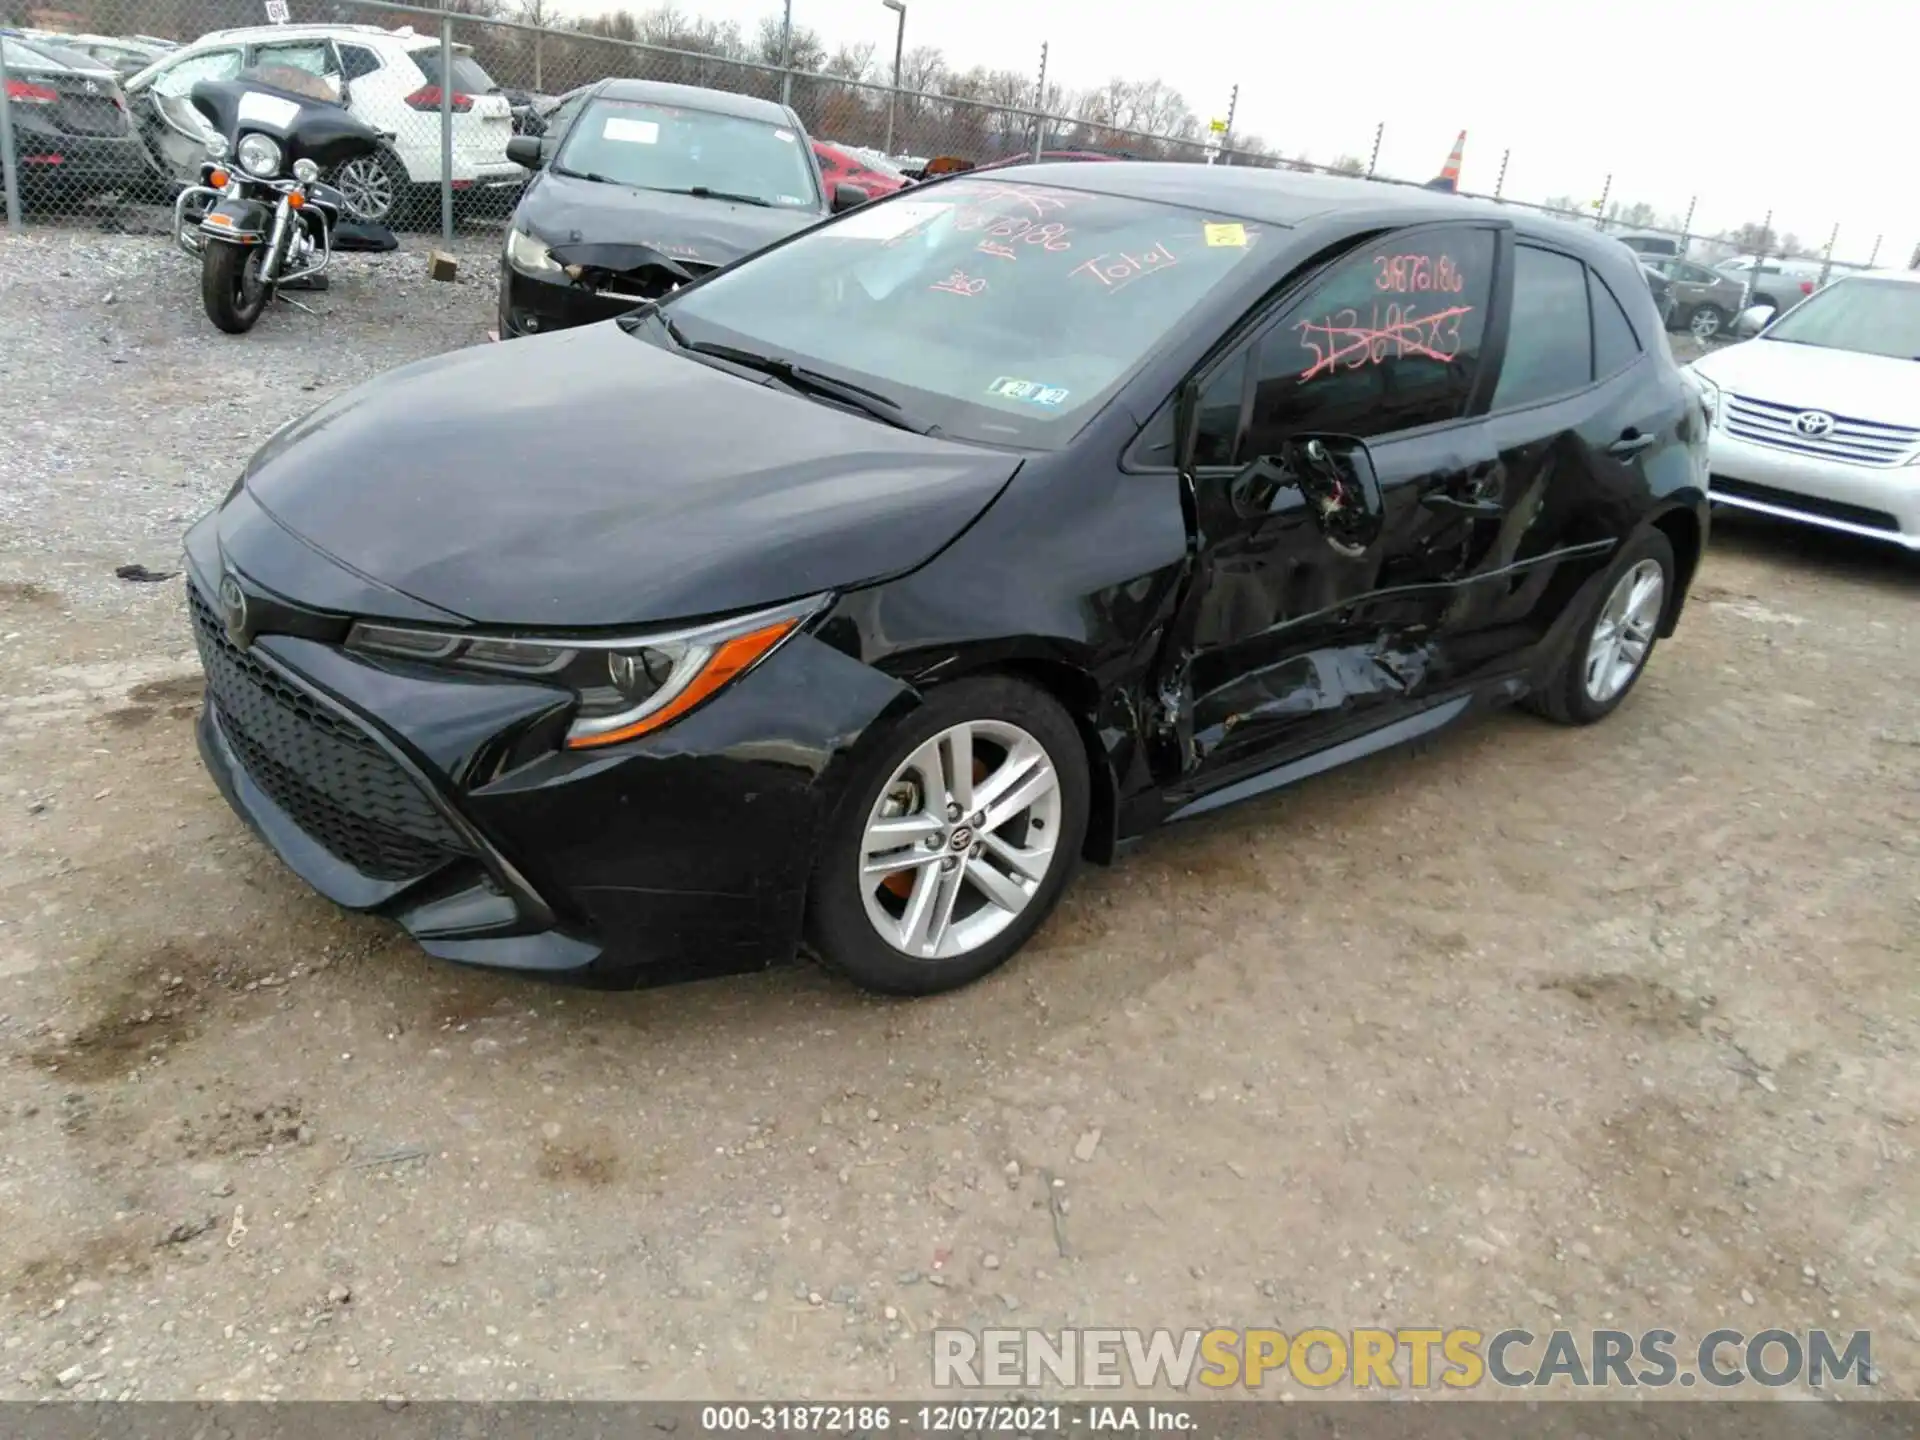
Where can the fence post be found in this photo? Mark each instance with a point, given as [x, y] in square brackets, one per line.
[1373, 160]
[1686, 225]
[538, 84]
[1600, 205]
[1826, 260]
[786, 55]
[1753, 276]
[1875, 255]
[446, 129]
[9, 167]
[1040, 108]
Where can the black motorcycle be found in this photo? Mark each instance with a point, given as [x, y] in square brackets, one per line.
[261, 220]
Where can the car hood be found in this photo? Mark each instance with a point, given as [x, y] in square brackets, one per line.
[589, 478]
[1812, 377]
[562, 210]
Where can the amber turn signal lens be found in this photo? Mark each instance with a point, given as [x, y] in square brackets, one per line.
[218, 179]
[728, 662]
[295, 199]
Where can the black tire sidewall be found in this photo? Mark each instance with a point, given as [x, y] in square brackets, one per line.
[1576, 704]
[223, 266]
[837, 925]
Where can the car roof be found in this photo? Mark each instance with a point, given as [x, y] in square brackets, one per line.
[696, 97]
[320, 30]
[1289, 197]
[1905, 277]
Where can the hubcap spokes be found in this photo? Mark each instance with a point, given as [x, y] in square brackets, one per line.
[1624, 633]
[365, 186]
[961, 839]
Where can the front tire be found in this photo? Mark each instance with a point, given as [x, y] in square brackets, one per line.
[1706, 322]
[953, 841]
[231, 287]
[1609, 651]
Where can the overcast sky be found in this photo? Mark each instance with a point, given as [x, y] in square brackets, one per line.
[1638, 88]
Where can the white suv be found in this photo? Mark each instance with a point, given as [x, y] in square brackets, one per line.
[389, 78]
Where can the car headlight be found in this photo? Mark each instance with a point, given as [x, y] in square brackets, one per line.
[259, 155]
[529, 255]
[626, 687]
[1709, 395]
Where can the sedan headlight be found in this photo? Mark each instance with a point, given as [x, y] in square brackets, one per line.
[259, 155]
[626, 687]
[529, 255]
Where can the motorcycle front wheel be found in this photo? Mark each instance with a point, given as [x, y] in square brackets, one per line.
[231, 287]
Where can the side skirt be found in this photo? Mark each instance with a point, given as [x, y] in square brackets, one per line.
[1397, 732]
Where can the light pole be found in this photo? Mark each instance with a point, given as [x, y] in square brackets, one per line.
[899, 48]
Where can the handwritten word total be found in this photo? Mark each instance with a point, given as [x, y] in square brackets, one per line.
[1342, 340]
[1116, 270]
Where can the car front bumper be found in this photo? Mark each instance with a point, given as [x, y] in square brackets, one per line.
[444, 802]
[530, 305]
[1875, 502]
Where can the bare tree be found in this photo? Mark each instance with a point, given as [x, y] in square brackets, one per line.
[1348, 165]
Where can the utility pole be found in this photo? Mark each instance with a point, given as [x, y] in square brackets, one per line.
[1373, 160]
[786, 56]
[1040, 107]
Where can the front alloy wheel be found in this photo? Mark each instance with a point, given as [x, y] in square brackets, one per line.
[371, 188]
[960, 840]
[953, 840]
[1704, 323]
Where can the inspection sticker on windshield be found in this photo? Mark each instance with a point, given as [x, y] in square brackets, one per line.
[786, 135]
[889, 221]
[1234, 235]
[1032, 392]
[639, 132]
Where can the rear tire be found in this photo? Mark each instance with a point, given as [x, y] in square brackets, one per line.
[1585, 685]
[230, 285]
[948, 863]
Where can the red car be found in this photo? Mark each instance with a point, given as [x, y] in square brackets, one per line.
[840, 166]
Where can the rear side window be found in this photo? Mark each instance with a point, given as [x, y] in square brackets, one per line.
[1549, 337]
[1387, 340]
[469, 76]
[358, 60]
[1614, 344]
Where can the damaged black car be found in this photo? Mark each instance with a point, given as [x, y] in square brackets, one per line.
[851, 596]
[641, 186]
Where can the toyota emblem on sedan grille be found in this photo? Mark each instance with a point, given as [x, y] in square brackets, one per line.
[1813, 423]
[233, 610]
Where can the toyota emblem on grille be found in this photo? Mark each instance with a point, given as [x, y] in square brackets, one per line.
[1813, 423]
[233, 611]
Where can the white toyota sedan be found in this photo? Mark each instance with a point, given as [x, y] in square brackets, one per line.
[1817, 418]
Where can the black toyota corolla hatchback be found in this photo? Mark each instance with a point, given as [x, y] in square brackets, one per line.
[855, 593]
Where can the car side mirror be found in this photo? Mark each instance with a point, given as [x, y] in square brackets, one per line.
[1752, 321]
[526, 150]
[847, 197]
[1334, 474]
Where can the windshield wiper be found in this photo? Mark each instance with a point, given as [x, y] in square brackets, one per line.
[883, 408]
[593, 175]
[707, 192]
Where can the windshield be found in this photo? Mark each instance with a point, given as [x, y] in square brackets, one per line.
[42, 56]
[664, 147]
[469, 76]
[995, 311]
[1874, 317]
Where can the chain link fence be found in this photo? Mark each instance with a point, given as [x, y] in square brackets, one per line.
[94, 111]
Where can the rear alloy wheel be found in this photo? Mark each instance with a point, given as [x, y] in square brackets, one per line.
[954, 841]
[1705, 322]
[1609, 651]
[372, 186]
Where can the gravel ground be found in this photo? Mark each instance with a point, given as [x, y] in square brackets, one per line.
[1603, 1027]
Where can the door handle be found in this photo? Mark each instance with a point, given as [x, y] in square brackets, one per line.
[1631, 444]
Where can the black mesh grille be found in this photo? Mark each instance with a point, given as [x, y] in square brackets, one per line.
[329, 775]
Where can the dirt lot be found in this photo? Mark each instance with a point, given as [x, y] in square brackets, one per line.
[1606, 1027]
